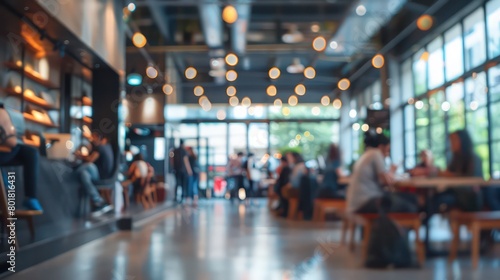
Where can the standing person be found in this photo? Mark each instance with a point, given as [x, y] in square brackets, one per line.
[365, 191]
[14, 153]
[283, 179]
[252, 174]
[98, 165]
[182, 170]
[235, 174]
[464, 163]
[329, 186]
[192, 192]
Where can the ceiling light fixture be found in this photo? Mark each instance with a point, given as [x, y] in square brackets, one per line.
[319, 44]
[134, 79]
[344, 84]
[233, 101]
[378, 61]
[271, 90]
[274, 73]
[246, 102]
[334, 45]
[293, 100]
[139, 40]
[425, 22]
[278, 102]
[190, 73]
[337, 104]
[231, 91]
[229, 14]
[300, 89]
[310, 73]
[361, 10]
[167, 89]
[231, 59]
[198, 90]
[151, 72]
[231, 75]
[131, 7]
[325, 100]
[315, 28]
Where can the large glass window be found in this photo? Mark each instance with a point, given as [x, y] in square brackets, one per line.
[216, 134]
[258, 138]
[494, 83]
[438, 128]
[493, 18]
[237, 138]
[456, 113]
[453, 49]
[477, 116]
[436, 63]
[420, 71]
[422, 124]
[410, 153]
[406, 81]
[475, 39]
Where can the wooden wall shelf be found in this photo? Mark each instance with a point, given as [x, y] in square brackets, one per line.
[32, 119]
[45, 83]
[33, 100]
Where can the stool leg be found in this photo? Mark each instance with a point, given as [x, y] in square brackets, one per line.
[344, 231]
[476, 235]
[31, 226]
[419, 245]
[352, 233]
[455, 229]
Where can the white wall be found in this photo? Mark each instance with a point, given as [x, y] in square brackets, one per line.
[98, 23]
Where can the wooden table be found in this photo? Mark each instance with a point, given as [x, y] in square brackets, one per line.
[440, 184]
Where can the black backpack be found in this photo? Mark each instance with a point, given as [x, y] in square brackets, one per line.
[388, 245]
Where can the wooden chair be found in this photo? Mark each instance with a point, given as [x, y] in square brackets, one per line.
[20, 214]
[406, 220]
[293, 208]
[475, 222]
[321, 206]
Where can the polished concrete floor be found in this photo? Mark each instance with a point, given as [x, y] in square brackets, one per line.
[220, 240]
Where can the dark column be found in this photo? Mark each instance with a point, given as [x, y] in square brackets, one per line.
[106, 98]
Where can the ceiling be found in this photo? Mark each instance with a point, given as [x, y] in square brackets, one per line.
[192, 33]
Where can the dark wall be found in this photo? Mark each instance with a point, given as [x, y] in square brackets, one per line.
[106, 98]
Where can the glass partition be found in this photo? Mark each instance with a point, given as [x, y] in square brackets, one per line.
[493, 19]
[454, 54]
[475, 39]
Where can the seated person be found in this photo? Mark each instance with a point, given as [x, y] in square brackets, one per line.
[138, 173]
[330, 186]
[13, 153]
[365, 192]
[426, 166]
[97, 165]
[464, 163]
[283, 180]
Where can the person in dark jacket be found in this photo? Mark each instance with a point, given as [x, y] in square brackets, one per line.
[283, 179]
[330, 187]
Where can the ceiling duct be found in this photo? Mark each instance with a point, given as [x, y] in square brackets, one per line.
[365, 19]
[239, 29]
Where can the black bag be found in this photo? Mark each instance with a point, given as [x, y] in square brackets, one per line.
[388, 245]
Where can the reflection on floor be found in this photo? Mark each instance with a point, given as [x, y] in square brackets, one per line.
[220, 240]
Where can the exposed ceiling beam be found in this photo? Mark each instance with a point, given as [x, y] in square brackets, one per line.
[239, 29]
[159, 17]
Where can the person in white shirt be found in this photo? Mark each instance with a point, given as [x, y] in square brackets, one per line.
[366, 192]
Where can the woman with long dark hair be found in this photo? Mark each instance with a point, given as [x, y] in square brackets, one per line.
[464, 163]
[329, 186]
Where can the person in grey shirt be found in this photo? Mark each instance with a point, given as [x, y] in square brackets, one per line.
[365, 191]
